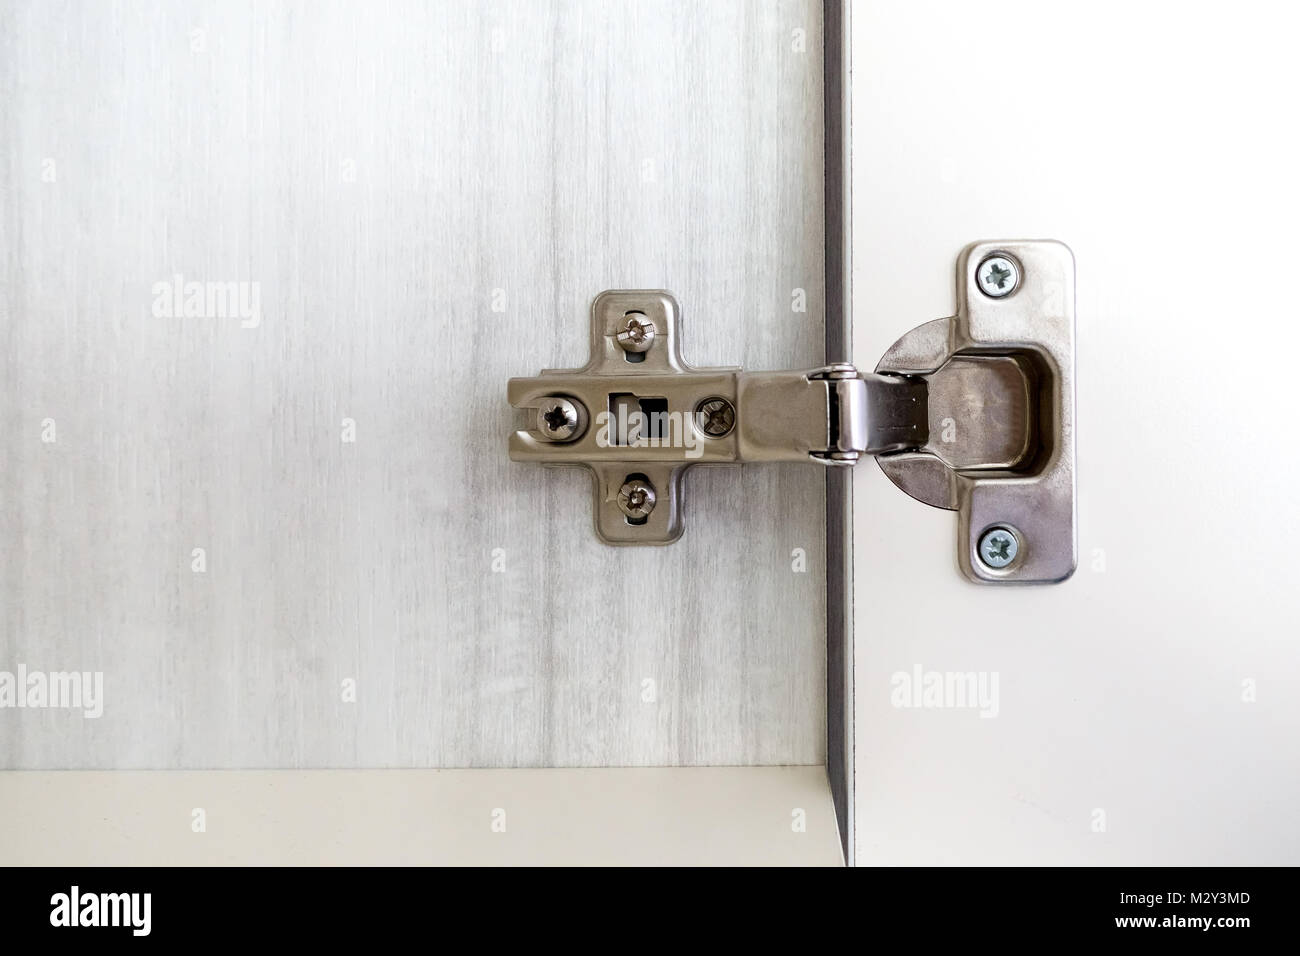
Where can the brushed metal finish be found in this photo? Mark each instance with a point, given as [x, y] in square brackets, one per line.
[416, 189]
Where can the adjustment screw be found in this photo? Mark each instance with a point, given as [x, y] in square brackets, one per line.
[637, 333]
[998, 547]
[997, 276]
[715, 416]
[636, 498]
[561, 419]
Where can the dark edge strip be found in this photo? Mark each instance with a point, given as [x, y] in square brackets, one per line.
[839, 483]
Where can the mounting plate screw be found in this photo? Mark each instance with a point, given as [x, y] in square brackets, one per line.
[998, 547]
[561, 419]
[997, 276]
[637, 332]
[715, 416]
[636, 498]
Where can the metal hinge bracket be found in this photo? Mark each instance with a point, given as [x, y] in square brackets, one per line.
[972, 413]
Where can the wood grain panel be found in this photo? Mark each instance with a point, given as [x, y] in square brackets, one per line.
[427, 196]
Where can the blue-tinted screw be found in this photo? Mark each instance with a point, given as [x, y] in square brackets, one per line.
[998, 547]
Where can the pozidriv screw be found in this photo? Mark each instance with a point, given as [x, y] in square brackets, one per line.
[559, 418]
[997, 276]
[998, 547]
[715, 416]
[636, 498]
[637, 332]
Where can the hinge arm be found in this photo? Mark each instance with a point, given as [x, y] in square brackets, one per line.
[833, 414]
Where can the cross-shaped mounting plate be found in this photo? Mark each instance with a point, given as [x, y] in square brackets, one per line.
[620, 448]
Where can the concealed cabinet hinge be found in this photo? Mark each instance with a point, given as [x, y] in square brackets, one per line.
[973, 413]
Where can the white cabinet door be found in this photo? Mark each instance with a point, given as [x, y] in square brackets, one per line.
[1146, 710]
